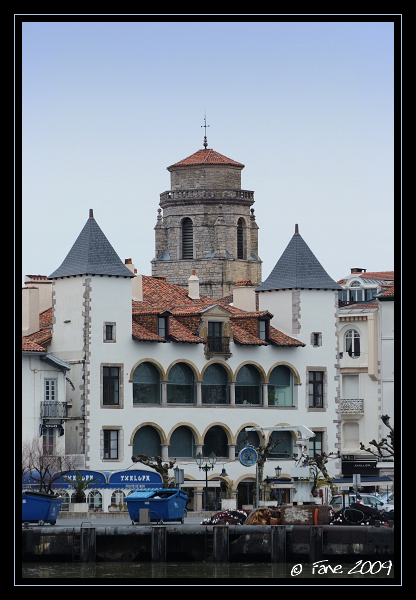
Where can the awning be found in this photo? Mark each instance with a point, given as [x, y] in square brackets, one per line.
[56, 362]
[365, 481]
[200, 483]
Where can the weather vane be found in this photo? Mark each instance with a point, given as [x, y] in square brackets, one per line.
[205, 136]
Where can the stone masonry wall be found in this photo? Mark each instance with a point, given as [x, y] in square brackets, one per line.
[209, 176]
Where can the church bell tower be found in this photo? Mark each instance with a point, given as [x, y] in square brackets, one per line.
[206, 224]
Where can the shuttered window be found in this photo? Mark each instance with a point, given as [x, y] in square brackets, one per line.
[187, 239]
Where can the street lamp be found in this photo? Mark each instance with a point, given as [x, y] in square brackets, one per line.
[207, 467]
[278, 470]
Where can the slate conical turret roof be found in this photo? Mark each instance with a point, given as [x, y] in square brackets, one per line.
[92, 254]
[298, 268]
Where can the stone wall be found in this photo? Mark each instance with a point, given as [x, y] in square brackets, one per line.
[205, 176]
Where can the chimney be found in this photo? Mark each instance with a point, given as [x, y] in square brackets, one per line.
[30, 310]
[193, 287]
[44, 286]
[358, 270]
[136, 282]
[91, 213]
[244, 296]
[296, 229]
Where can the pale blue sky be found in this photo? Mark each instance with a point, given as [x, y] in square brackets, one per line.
[307, 107]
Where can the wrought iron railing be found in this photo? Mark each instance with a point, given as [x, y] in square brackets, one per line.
[352, 405]
[53, 410]
[218, 344]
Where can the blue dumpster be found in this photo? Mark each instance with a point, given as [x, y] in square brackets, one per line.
[164, 505]
[40, 508]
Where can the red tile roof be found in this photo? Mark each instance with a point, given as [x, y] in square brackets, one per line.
[277, 338]
[185, 317]
[206, 157]
[389, 290]
[180, 333]
[375, 275]
[144, 335]
[244, 337]
[30, 346]
[44, 335]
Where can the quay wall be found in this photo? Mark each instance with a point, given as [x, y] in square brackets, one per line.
[142, 543]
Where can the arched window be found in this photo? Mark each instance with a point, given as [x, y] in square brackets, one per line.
[352, 343]
[180, 386]
[95, 500]
[246, 437]
[182, 443]
[248, 386]
[215, 385]
[280, 389]
[117, 497]
[147, 441]
[146, 384]
[215, 441]
[240, 238]
[187, 239]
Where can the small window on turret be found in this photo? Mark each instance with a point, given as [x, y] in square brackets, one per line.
[109, 332]
[316, 339]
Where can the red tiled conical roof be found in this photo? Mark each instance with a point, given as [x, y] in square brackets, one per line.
[206, 157]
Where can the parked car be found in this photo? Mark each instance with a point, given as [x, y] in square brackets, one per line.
[366, 499]
[386, 497]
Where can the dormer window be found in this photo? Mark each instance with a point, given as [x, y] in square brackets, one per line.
[162, 326]
[263, 330]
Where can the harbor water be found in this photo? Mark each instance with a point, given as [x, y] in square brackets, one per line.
[366, 571]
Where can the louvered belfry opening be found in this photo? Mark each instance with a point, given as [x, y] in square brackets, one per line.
[240, 239]
[187, 239]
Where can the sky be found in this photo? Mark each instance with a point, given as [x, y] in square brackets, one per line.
[306, 105]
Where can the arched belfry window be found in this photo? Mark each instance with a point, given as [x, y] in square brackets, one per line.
[240, 238]
[187, 239]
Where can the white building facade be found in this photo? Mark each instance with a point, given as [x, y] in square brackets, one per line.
[157, 369]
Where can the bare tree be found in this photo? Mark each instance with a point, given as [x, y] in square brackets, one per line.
[385, 447]
[45, 468]
[157, 465]
[263, 450]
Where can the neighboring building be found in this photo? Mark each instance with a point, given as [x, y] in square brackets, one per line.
[366, 333]
[44, 399]
[207, 225]
[162, 369]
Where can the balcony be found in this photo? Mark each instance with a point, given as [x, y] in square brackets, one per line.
[54, 410]
[217, 345]
[352, 406]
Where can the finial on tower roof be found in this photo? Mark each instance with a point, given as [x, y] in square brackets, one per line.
[205, 136]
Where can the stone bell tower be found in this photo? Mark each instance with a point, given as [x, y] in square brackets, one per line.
[206, 224]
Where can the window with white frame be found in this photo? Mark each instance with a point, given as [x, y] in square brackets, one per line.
[110, 449]
[51, 390]
[352, 343]
[109, 332]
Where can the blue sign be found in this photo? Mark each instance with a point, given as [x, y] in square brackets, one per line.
[248, 456]
[135, 479]
[87, 475]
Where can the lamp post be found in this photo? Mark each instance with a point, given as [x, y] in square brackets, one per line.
[207, 467]
[278, 470]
